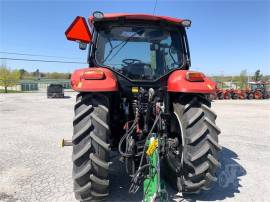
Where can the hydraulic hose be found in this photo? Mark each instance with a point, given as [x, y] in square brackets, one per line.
[148, 136]
[127, 134]
[135, 184]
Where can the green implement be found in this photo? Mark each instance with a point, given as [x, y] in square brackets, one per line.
[153, 188]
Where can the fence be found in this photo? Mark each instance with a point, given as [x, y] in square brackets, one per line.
[35, 85]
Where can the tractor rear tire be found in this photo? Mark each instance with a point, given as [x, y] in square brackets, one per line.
[250, 96]
[227, 96]
[90, 147]
[220, 96]
[243, 96]
[235, 97]
[198, 140]
[258, 95]
[265, 96]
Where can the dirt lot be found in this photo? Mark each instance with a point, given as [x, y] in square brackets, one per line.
[34, 168]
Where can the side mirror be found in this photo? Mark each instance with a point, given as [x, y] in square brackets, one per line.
[79, 31]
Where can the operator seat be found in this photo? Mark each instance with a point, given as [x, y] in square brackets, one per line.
[137, 71]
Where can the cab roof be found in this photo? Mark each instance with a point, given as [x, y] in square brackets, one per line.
[117, 16]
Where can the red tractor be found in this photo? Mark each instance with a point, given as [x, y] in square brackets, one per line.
[227, 94]
[259, 89]
[249, 93]
[138, 85]
[222, 93]
[238, 94]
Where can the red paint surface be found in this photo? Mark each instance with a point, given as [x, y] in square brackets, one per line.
[115, 16]
[177, 83]
[108, 84]
[79, 30]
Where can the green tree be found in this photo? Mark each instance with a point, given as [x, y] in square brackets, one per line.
[22, 73]
[8, 78]
[257, 75]
[36, 73]
[57, 75]
[242, 79]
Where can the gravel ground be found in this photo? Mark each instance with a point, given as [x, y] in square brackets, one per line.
[34, 168]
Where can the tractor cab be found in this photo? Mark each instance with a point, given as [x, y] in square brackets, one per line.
[258, 85]
[137, 47]
[139, 50]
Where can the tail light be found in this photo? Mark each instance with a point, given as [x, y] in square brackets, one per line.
[195, 76]
[94, 74]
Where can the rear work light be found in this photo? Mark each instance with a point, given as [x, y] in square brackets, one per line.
[195, 76]
[98, 15]
[94, 74]
[186, 23]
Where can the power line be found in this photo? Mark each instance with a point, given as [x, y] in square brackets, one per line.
[155, 8]
[34, 60]
[28, 54]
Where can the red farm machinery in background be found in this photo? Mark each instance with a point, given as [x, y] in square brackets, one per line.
[259, 89]
[254, 90]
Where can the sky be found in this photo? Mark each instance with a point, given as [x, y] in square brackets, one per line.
[225, 38]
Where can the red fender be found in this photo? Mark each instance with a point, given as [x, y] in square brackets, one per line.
[106, 84]
[177, 82]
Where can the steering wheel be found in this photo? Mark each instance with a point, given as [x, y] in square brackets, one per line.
[131, 61]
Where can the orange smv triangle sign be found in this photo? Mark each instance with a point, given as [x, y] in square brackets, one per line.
[79, 31]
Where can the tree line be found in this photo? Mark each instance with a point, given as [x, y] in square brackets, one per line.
[42, 75]
[9, 77]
